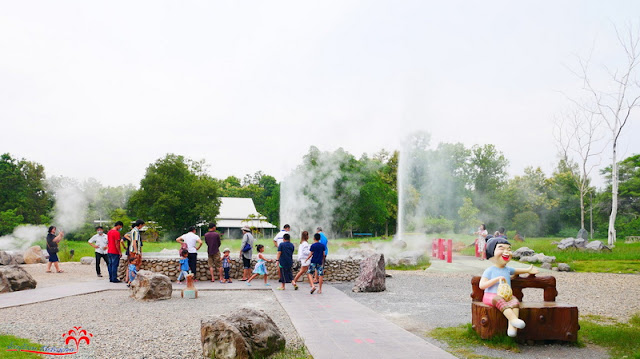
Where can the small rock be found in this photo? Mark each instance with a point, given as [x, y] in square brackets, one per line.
[87, 260]
[248, 333]
[546, 265]
[372, 275]
[563, 267]
[399, 243]
[151, 286]
[13, 278]
[567, 243]
[33, 255]
[529, 259]
[18, 258]
[6, 259]
[523, 252]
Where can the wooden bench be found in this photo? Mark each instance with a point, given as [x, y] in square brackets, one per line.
[547, 320]
[362, 234]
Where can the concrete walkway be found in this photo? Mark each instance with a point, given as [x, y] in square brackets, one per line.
[335, 326]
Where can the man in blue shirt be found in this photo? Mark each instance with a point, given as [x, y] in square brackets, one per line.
[317, 257]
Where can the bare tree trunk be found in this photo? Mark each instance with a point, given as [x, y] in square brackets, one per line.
[581, 209]
[611, 233]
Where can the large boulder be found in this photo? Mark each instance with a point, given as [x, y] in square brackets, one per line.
[596, 246]
[247, 333]
[567, 243]
[18, 258]
[408, 258]
[6, 259]
[372, 274]
[583, 234]
[151, 286]
[87, 260]
[580, 242]
[529, 259]
[33, 255]
[13, 278]
[523, 252]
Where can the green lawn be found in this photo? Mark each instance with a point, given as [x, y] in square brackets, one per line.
[7, 340]
[623, 258]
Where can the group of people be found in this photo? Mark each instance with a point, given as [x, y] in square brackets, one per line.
[484, 237]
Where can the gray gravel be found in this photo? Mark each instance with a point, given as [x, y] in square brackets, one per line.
[124, 328]
[420, 301]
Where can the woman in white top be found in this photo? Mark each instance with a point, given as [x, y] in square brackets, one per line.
[303, 257]
[481, 241]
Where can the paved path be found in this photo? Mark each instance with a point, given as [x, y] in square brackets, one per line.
[469, 264]
[335, 326]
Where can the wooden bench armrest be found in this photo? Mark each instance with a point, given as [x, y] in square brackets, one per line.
[546, 283]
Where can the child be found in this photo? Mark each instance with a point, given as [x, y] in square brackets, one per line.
[317, 256]
[499, 252]
[285, 260]
[133, 271]
[184, 265]
[260, 267]
[226, 265]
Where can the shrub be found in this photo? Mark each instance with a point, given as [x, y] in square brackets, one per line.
[438, 225]
[527, 223]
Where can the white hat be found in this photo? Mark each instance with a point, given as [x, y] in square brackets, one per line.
[246, 229]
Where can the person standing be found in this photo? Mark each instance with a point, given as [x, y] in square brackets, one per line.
[285, 260]
[101, 244]
[246, 251]
[213, 250]
[316, 267]
[193, 243]
[113, 251]
[52, 248]
[325, 242]
[481, 241]
[135, 250]
[279, 237]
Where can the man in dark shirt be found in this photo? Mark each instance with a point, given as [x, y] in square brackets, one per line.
[213, 249]
[317, 257]
[285, 261]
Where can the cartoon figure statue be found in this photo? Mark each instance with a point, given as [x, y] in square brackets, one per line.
[496, 283]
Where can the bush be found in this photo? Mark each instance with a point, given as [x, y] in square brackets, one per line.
[568, 232]
[438, 225]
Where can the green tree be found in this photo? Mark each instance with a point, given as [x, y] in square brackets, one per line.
[9, 220]
[628, 219]
[468, 215]
[176, 193]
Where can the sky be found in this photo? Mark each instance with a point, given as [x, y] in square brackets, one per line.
[103, 89]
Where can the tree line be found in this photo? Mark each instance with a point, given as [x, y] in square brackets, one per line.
[467, 186]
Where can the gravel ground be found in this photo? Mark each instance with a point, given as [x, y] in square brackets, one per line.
[419, 302]
[125, 328]
[72, 272]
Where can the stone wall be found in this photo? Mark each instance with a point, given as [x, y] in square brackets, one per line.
[343, 269]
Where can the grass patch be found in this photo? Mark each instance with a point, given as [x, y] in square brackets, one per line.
[10, 340]
[422, 264]
[462, 337]
[621, 339]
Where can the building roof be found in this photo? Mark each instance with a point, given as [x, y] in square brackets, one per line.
[239, 212]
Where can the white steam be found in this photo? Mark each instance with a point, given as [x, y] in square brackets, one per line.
[22, 237]
[72, 200]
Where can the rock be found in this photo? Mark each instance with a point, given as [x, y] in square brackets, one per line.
[358, 253]
[33, 255]
[18, 258]
[523, 252]
[13, 278]
[529, 259]
[563, 267]
[87, 260]
[583, 234]
[399, 243]
[6, 259]
[45, 254]
[248, 333]
[554, 269]
[596, 246]
[580, 242]
[372, 274]
[548, 259]
[546, 265]
[151, 286]
[567, 243]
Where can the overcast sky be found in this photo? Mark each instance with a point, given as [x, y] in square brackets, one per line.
[102, 89]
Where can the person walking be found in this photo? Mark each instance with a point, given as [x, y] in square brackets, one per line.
[193, 242]
[303, 254]
[325, 242]
[113, 251]
[212, 238]
[481, 241]
[52, 248]
[100, 243]
[246, 251]
[278, 239]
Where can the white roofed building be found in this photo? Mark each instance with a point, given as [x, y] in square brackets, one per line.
[236, 213]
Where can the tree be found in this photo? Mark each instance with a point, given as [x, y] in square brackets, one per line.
[577, 134]
[468, 214]
[176, 193]
[628, 219]
[615, 104]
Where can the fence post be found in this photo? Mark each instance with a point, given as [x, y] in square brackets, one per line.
[449, 250]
